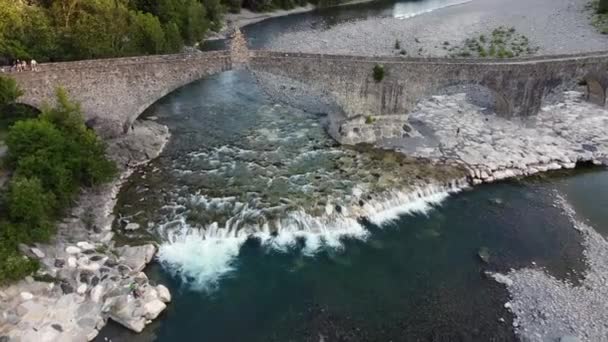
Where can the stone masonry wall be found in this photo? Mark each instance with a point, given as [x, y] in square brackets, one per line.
[114, 92]
[372, 108]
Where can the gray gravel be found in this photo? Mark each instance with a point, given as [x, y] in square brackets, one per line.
[548, 309]
[555, 26]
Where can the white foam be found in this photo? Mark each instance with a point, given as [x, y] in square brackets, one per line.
[400, 203]
[200, 257]
[203, 256]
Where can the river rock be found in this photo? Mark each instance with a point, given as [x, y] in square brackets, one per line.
[85, 246]
[137, 257]
[124, 310]
[97, 293]
[163, 293]
[72, 250]
[37, 252]
[81, 289]
[132, 226]
[26, 296]
[484, 254]
[72, 262]
[154, 308]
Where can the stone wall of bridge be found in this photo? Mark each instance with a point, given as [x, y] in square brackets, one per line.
[518, 85]
[114, 92]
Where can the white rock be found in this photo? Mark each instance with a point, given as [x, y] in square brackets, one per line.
[97, 293]
[85, 246]
[137, 257]
[26, 296]
[163, 293]
[81, 289]
[37, 252]
[72, 250]
[92, 335]
[72, 262]
[154, 308]
[132, 226]
[501, 278]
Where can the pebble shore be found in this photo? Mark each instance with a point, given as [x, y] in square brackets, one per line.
[554, 26]
[548, 309]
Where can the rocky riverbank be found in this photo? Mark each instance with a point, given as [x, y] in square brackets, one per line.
[549, 309]
[493, 148]
[84, 278]
[555, 26]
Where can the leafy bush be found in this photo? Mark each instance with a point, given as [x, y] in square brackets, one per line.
[9, 91]
[52, 155]
[502, 43]
[602, 7]
[378, 72]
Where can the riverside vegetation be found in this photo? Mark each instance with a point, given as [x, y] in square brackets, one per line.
[51, 157]
[77, 29]
[599, 17]
[501, 43]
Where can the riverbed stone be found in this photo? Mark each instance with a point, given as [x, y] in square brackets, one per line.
[26, 296]
[132, 226]
[72, 250]
[137, 257]
[163, 293]
[154, 308]
[38, 253]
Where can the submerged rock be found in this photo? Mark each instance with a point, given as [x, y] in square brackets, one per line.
[484, 254]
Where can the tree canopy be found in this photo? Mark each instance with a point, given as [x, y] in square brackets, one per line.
[59, 30]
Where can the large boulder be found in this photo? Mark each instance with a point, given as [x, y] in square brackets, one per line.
[136, 257]
[163, 293]
[128, 312]
[154, 308]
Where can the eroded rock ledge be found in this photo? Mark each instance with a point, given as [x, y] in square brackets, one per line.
[87, 279]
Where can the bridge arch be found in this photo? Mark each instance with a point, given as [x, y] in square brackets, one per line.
[597, 88]
[480, 94]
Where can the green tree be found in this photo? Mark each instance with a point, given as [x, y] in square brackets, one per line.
[173, 39]
[9, 91]
[603, 6]
[146, 34]
[31, 205]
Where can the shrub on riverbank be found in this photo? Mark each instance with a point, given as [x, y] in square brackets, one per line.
[378, 72]
[52, 156]
[501, 43]
[599, 16]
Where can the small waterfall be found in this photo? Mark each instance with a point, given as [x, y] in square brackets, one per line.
[201, 256]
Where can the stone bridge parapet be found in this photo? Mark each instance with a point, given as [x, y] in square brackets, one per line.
[114, 92]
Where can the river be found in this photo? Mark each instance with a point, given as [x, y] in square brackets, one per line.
[251, 204]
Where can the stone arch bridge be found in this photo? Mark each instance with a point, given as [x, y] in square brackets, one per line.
[114, 92]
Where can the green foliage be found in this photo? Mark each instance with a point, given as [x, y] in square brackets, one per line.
[599, 16]
[378, 72]
[52, 155]
[602, 7]
[502, 43]
[14, 266]
[9, 91]
[369, 120]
